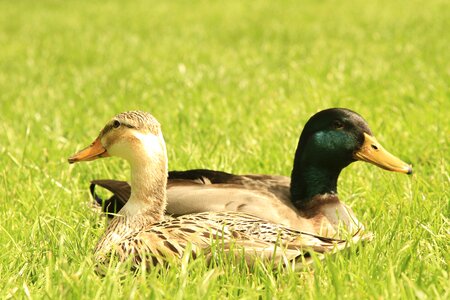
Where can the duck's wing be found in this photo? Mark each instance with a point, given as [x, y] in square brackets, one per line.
[274, 242]
[270, 241]
[252, 181]
[201, 190]
[241, 235]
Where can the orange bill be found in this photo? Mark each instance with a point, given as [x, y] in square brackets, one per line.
[374, 153]
[94, 151]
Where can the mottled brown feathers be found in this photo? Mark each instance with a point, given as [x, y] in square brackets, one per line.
[169, 239]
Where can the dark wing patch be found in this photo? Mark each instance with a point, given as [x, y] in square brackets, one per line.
[202, 174]
[121, 192]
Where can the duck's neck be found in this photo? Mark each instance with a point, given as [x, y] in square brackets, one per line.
[308, 181]
[147, 201]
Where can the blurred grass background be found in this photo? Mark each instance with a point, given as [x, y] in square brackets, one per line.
[233, 84]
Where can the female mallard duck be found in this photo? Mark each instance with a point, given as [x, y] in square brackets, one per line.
[308, 201]
[139, 231]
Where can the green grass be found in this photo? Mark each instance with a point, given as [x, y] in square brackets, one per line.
[232, 85]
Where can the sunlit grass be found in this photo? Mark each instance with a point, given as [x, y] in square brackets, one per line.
[233, 85]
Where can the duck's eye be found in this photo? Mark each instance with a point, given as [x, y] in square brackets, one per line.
[338, 124]
[116, 124]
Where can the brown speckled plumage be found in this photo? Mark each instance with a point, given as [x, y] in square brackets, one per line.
[157, 242]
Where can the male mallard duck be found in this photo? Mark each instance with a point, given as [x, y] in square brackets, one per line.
[139, 231]
[308, 201]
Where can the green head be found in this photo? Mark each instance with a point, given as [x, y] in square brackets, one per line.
[331, 140]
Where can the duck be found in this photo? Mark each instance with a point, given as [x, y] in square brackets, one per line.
[139, 232]
[308, 200]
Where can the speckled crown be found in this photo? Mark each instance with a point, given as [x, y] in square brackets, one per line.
[139, 120]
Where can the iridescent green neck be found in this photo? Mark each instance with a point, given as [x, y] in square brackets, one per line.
[319, 159]
[310, 181]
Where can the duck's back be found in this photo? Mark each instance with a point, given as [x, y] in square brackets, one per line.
[195, 191]
[264, 196]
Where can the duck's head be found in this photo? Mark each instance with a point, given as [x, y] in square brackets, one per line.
[128, 135]
[336, 137]
[330, 141]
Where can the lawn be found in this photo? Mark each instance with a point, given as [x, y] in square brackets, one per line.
[232, 83]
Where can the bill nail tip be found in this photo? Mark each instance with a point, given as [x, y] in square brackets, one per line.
[410, 170]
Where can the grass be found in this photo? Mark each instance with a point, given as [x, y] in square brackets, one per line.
[232, 85]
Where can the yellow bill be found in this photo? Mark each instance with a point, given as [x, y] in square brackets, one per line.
[374, 153]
